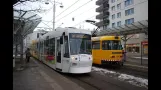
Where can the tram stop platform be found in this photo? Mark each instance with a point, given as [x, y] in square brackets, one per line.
[37, 76]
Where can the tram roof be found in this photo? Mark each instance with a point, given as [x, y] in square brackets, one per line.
[59, 31]
[105, 38]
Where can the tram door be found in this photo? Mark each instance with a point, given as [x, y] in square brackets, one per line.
[58, 55]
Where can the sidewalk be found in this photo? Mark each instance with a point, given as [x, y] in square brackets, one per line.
[133, 60]
[136, 65]
[36, 77]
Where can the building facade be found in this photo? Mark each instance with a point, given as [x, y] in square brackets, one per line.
[127, 12]
[103, 15]
[122, 12]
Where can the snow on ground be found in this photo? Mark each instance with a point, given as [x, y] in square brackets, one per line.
[124, 77]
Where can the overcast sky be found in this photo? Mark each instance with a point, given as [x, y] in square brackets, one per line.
[85, 12]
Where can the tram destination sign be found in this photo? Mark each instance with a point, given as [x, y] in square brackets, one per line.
[79, 36]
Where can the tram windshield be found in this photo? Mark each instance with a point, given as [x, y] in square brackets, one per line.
[111, 45]
[80, 43]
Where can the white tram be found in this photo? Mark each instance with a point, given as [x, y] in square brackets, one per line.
[66, 50]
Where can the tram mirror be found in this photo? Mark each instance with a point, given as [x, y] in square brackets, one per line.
[61, 40]
[121, 47]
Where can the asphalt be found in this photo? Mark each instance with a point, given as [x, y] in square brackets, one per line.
[35, 76]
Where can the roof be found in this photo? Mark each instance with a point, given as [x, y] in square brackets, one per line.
[24, 22]
[134, 28]
[15, 1]
[59, 32]
[104, 38]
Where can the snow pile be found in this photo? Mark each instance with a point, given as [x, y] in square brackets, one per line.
[102, 70]
[124, 77]
[134, 80]
[140, 57]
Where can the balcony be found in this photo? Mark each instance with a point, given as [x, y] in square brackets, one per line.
[101, 23]
[103, 7]
[102, 15]
[99, 2]
[106, 6]
[105, 14]
[99, 16]
[99, 9]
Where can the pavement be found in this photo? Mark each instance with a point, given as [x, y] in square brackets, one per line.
[134, 61]
[36, 77]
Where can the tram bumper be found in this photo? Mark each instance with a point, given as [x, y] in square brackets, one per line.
[110, 62]
[80, 69]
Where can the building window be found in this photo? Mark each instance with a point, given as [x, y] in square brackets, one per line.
[113, 8]
[113, 16]
[129, 12]
[112, 1]
[119, 6]
[128, 2]
[129, 21]
[119, 15]
[113, 24]
[119, 23]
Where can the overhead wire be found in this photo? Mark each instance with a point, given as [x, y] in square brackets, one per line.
[65, 10]
[84, 20]
[73, 11]
[68, 8]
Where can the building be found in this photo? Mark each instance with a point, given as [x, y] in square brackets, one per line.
[103, 15]
[127, 11]
[122, 12]
[31, 37]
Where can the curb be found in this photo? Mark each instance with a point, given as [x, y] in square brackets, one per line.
[137, 67]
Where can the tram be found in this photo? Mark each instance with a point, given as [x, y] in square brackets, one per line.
[107, 50]
[67, 50]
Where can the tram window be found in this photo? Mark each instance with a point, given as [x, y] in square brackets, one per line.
[47, 42]
[52, 46]
[61, 40]
[46, 47]
[66, 47]
[111, 45]
[37, 45]
[96, 45]
[106, 45]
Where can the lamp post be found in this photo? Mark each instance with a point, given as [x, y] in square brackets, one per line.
[54, 8]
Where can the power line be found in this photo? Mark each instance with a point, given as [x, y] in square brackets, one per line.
[83, 20]
[67, 8]
[74, 10]
[85, 11]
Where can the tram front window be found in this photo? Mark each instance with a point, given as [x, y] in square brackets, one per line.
[111, 45]
[80, 43]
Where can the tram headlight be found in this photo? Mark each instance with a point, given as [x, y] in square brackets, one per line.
[73, 58]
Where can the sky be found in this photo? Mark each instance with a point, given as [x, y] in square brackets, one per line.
[86, 12]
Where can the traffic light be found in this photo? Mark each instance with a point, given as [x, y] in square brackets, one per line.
[72, 19]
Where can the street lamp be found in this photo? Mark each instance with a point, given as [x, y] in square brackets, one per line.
[54, 8]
